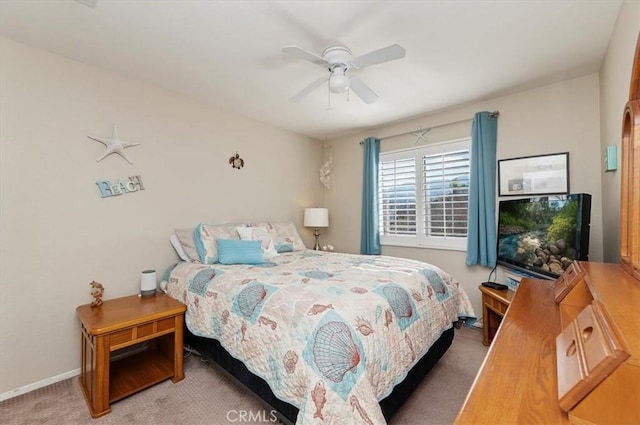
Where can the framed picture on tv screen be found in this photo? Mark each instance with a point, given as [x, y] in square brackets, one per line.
[534, 175]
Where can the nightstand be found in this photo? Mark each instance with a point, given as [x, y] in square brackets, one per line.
[494, 305]
[149, 328]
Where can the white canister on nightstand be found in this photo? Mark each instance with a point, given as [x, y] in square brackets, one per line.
[148, 283]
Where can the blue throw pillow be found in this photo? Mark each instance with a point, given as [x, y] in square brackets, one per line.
[232, 251]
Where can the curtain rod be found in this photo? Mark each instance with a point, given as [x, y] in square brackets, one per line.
[494, 114]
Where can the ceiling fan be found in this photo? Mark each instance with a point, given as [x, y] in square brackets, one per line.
[339, 60]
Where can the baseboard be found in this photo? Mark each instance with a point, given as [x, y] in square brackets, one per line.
[40, 384]
[48, 381]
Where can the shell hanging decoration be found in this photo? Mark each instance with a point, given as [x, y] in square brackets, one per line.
[236, 161]
[325, 172]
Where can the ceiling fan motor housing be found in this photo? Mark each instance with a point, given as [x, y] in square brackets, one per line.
[338, 55]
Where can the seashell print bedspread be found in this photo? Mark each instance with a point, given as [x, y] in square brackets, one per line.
[331, 333]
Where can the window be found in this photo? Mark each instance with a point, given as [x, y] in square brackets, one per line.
[424, 195]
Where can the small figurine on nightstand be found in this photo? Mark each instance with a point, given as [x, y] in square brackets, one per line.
[96, 292]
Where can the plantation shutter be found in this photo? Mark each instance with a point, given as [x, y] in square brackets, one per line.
[446, 192]
[397, 197]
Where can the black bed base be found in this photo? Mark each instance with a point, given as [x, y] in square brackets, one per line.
[213, 351]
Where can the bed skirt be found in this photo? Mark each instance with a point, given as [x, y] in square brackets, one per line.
[214, 352]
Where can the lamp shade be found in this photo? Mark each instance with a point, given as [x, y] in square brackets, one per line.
[316, 217]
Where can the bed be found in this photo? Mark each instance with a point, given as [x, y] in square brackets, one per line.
[324, 336]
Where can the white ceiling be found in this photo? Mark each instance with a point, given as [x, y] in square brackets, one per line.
[228, 53]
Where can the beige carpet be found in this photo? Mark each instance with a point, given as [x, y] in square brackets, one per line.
[206, 397]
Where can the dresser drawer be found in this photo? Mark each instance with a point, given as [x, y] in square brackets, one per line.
[587, 351]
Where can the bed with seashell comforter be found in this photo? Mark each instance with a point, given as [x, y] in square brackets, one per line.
[331, 334]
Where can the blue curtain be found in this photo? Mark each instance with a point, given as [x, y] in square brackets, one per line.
[370, 239]
[481, 232]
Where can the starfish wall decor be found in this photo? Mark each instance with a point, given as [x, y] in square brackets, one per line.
[420, 135]
[114, 145]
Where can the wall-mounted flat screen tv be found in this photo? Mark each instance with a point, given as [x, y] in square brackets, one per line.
[542, 236]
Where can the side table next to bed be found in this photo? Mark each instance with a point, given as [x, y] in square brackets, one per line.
[105, 376]
[495, 303]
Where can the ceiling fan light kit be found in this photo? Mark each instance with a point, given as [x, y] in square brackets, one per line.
[338, 82]
[338, 60]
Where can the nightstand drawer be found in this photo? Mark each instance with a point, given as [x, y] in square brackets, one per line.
[121, 337]
[141, 333]
[166, 324]
[145, 330]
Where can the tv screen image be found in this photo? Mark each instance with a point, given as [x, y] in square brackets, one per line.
[542, 236]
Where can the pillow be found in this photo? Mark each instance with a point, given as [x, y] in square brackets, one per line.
[185, 236]
[259, 234]
[284, 235]
[175, 243]
[232, 251]
[205, 236]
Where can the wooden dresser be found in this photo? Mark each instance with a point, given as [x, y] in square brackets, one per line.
[518, 381]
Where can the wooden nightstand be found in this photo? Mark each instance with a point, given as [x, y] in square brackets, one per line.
[494, 305]
[156, 321]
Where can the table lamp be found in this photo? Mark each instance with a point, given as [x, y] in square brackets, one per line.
[316, 218]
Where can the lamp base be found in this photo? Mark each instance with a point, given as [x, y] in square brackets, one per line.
[316, 233]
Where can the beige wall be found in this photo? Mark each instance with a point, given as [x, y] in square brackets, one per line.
[58, 234]
[557, 118]
[615, 77]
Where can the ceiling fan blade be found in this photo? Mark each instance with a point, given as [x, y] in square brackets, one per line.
[386, 54]
[303, 54]
[311, 87]
[362, 90]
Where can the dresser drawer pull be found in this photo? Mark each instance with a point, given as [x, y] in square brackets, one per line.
[587, 351]
[568, 280]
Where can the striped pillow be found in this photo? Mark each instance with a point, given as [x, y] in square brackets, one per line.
[232, 251]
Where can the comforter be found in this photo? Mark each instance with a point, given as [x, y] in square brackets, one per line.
[331, 333]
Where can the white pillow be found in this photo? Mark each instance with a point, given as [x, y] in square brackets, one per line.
[259, 234]
[175, 242]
